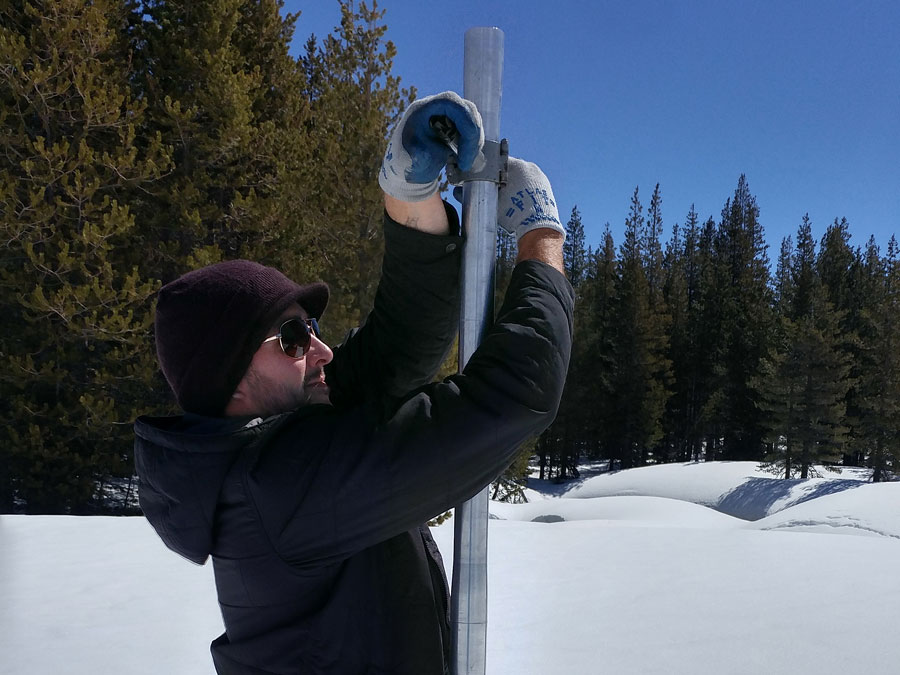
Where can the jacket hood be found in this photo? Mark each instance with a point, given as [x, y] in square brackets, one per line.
[181, 463]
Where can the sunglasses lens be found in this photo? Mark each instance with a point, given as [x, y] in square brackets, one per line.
[295, 338]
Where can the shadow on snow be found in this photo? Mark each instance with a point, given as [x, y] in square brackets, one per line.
[753, 499]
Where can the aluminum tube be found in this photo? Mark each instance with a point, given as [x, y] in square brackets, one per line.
[482, 84]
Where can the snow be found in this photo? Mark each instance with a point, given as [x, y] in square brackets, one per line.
[84, 595]
[629, 511]
[740, 489]
[871, 509]
[633, 572]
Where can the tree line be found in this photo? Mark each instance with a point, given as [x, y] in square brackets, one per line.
[700, 350]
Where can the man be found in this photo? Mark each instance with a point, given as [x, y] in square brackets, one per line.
[306, 474]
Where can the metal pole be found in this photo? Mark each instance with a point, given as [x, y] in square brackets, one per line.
[483, 71]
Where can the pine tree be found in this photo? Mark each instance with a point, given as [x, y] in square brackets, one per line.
[598, 340]
[224, 93]
[821, 430]
[779, 394]
[840, 269]
[834, 264]
[681, 294]
[706, 324]
[804, 280]
[784, 283]
[877, 399]
[808, 375]
[76, 342]
[574, 254]
[652, 251]
[659, 321]
[743, 282]
[562, 442]
[630, 299]
[641, 369]
[355, 101]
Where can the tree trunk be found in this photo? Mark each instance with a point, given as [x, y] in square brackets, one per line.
[543, 455]
[804, 461]
[877, 461]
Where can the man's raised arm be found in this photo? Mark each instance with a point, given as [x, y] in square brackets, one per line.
[413, 323]
[417, 153]
[527, 208]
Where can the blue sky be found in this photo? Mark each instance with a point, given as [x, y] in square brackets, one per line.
[802, 97]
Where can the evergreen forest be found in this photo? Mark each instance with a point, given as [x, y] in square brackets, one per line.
[702, 349]
[142, 139]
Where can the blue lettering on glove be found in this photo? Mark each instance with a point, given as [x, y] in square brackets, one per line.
[517, 202]
[540, 194]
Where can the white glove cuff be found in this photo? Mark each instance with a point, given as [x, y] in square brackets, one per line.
[398, 188]
[537, 223]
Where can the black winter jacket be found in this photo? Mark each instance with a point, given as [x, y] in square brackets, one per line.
[313, 517]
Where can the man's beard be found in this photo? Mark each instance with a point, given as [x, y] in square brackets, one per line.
[314, 389]
[277, 397]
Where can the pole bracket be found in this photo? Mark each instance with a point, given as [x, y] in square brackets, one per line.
[494, 170]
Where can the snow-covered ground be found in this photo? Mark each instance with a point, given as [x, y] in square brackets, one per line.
[695, 569]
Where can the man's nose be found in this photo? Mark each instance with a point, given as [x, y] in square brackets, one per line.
[319, 353]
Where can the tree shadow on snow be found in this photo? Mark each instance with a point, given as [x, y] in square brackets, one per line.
[555, 487]
[753, 499]
[829, 488]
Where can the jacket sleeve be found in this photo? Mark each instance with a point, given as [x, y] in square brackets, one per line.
[413, 322]
[355, 483]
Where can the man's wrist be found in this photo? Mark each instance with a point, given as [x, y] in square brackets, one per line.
[426, 216]
[542, 244]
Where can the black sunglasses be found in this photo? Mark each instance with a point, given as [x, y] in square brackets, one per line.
[295, 336]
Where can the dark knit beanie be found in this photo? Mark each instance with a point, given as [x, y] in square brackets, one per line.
[210, 322]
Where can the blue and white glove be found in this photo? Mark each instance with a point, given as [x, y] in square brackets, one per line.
[417, 152]
[526, 202]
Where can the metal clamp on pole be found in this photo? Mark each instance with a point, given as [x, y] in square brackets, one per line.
[496, 156]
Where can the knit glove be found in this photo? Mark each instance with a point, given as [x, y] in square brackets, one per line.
[526, 201]
[418, 150]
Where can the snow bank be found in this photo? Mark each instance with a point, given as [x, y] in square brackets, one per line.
[634, 511]
[739, 489]
[871, 509]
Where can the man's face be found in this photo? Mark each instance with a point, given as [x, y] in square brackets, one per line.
[276, 383]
